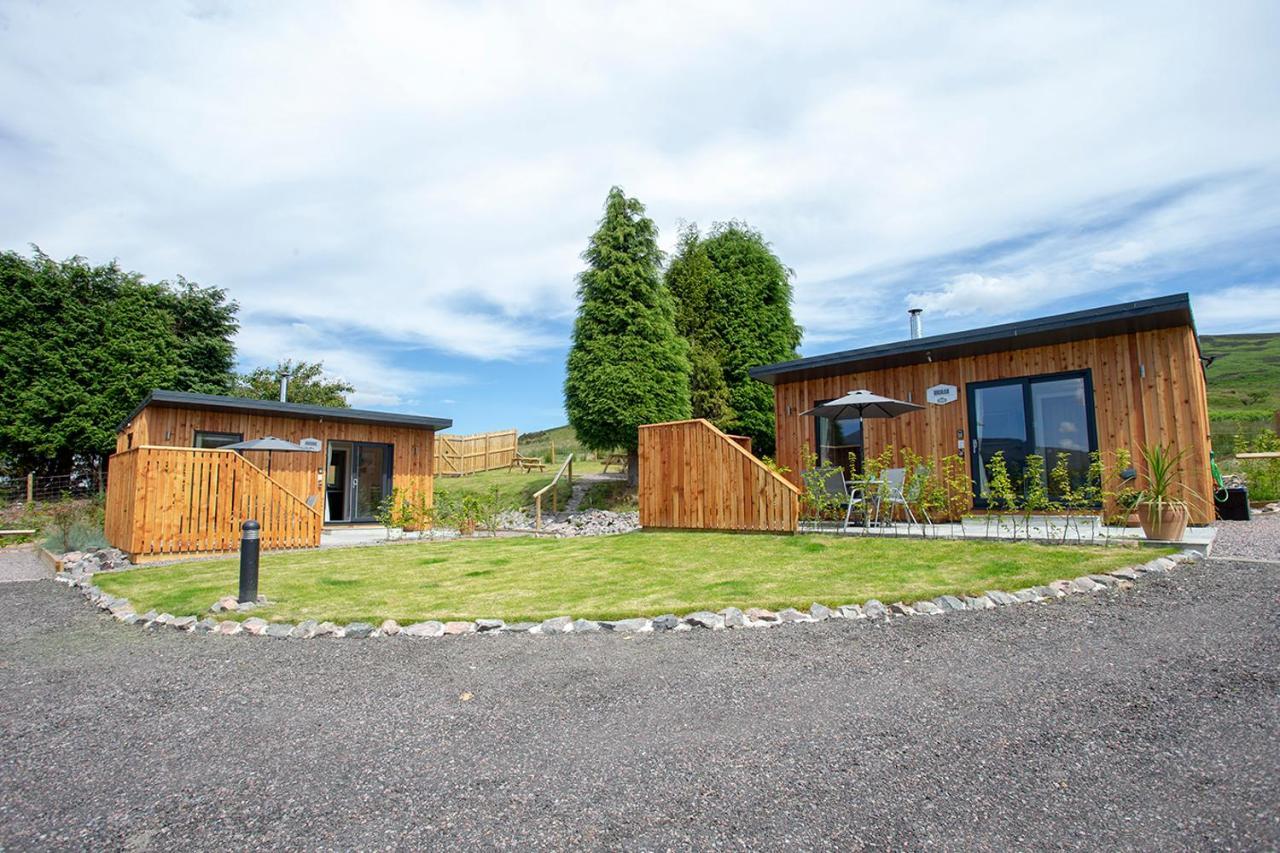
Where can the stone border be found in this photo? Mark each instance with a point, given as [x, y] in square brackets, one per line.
[730, 617]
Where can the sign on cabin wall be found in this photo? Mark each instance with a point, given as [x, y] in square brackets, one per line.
[941, 394]
[312, 444]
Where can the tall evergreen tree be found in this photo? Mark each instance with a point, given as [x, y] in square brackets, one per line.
[627, 365]
[80, 345]
[733, 298]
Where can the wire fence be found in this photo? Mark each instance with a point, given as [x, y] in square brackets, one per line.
[49, 488]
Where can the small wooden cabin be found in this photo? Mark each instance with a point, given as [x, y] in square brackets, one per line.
[1106, 379]
[172, 489]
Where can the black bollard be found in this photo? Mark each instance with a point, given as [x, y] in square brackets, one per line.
[249, 562]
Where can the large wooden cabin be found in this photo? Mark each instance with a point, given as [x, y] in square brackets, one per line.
[1112, 378]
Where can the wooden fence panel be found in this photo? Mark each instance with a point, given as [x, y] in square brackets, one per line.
[170, 501]
[693, 476]
[470, 454]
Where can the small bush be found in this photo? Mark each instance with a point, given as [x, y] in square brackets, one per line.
[69, 525]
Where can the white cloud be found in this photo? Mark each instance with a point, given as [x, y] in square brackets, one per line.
[1246, 308]
[424, 175]
[379, 382]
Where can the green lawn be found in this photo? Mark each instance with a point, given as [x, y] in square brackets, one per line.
[515, 488]
[638, 574]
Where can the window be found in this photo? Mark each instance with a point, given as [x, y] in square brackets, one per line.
[1051, 416]
[210, 440]
[840, 442]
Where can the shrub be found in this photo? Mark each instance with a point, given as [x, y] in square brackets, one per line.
[70, 525]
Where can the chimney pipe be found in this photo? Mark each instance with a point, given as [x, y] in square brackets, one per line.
[284, 386]
[917, 325]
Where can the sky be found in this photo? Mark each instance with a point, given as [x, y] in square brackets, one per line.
[403, 189]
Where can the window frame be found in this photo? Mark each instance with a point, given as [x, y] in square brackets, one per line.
[1028, 413]
[199, 433]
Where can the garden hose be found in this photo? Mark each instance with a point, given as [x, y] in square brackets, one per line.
[1219, 493]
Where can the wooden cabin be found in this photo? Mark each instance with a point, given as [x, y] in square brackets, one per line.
[1106, 379]
[172, 489]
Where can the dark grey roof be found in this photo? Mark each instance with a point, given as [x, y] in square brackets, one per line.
[214, 402]
[1143, 315]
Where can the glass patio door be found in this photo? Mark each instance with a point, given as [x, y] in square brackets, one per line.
[998, 425]
[371, 478]
[1051, 416]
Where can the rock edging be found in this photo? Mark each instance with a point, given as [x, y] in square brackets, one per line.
[728, 618]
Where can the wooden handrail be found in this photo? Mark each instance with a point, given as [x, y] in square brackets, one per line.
[555, 498]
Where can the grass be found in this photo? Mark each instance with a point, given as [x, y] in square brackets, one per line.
[1243, 381]
[539, 443]
[638, 574]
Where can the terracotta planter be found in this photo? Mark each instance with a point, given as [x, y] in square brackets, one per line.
[1168, 523]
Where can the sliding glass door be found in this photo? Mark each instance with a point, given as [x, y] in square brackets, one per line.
[357, 478]
[1051, 416]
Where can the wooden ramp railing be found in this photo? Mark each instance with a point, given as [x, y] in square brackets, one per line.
[175, 501]
[693, 476]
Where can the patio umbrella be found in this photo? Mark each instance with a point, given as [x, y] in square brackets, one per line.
[270, 444]
[862, 404]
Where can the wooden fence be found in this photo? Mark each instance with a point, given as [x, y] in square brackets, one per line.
[469, 454]
[173, 501]
[693, 476]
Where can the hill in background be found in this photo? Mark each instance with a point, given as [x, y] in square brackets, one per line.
[1244, 379]
[539, 443]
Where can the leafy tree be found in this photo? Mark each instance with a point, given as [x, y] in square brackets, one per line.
[307, 384]
[627, 365]
[81, 345]
[733, 298]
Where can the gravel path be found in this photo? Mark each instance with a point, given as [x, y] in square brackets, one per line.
[1258, 539]
[20, 563]
[1145, 719]
[583, 483]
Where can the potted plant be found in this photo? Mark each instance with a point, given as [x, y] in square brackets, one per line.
[1161, 513]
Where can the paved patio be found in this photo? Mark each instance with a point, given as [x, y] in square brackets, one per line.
[1042, 528]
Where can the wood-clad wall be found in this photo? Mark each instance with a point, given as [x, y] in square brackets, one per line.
[174, 501]
[1148, 388]
[412, 462]
[693, 476]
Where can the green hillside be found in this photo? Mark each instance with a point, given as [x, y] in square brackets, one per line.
[539, 443]
[1244, 379]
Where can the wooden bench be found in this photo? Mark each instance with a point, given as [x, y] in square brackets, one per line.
[527, 463]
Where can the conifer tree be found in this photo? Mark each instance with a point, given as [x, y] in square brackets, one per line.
[627, 365]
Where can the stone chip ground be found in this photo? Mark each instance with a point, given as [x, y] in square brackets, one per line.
[1144, 719]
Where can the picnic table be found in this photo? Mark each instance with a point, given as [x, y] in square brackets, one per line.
[526, 463]
[618, 459]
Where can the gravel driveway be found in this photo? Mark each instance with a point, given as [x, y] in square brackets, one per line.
[1145, 719]
[20, 563]
[1258, 539]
